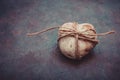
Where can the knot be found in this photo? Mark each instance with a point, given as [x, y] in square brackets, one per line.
[63, 32]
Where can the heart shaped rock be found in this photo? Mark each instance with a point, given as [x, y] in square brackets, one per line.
[76, 40]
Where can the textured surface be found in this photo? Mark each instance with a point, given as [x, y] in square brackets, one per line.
[38, 57]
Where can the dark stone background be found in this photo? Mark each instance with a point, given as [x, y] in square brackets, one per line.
[39, 58]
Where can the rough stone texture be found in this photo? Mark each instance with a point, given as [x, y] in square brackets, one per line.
[38, 57]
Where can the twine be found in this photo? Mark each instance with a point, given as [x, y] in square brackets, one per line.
[74, 33]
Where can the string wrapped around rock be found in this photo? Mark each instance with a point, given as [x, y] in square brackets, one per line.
[64, 32]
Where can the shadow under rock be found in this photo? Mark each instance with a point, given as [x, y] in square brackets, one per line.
[58, 56]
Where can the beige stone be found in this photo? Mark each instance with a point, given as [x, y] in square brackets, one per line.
[67, 43]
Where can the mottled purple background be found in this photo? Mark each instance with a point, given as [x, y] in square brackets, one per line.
[39, 58]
